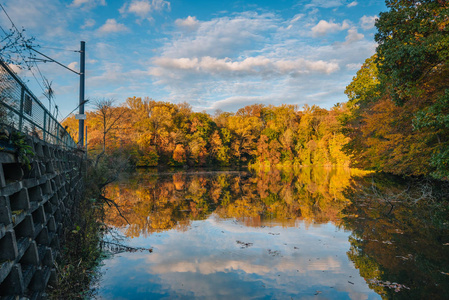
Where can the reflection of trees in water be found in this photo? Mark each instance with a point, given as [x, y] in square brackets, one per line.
[397, 239]
[156, 203]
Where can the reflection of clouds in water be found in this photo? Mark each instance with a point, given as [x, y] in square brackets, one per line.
[217, 237]
[222, 253]
[207, 262]
[324, 231]
[210, 267]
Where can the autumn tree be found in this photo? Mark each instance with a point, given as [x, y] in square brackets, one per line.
[245, 131]
[155, 133]
[107, 117]
[397, 100]
[415, 63]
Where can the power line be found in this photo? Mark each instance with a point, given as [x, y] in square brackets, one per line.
[29, 66]
[52, 60]
[8, 17]
[46, 84]
[9, 37]
[82, 103]
[47, 92]
[27, 44]
[61, 49]
[6, 34]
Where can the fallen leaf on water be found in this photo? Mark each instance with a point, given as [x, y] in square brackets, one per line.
[243, 244]
[274, 253]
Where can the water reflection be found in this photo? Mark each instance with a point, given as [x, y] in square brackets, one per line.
[400, 235]
[156, 203]
[321, 233]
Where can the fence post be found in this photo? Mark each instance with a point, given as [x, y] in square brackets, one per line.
[45, 127]
[22, 99]
[59, 142]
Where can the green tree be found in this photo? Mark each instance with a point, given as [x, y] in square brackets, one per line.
[413, 45]
[364, 86]
[403, 81]
[434, 121]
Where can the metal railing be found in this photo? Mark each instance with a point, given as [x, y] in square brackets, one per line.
[20, 109]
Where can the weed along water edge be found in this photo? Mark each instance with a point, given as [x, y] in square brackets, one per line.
[322, 232]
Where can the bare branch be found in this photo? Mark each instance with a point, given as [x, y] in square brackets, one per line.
[110, 203]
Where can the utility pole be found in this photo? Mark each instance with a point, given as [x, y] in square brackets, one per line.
[81, 102]
[81, 116]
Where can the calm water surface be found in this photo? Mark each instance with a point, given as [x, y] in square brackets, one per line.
[318, 233]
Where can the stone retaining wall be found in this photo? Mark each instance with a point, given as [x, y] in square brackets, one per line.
[35, 205]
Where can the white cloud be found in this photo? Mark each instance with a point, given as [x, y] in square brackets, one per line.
[88, 23]
[300, 66]
[251, 66]
[297, 18]
[232, 61]
[140, 8]
[352, 4]
[353, 66]
[323, 27]
[223, 37]
[353, 36]
[112, 74]
[15, 68]
[78, 3]
[144, 8]
[325, 3]
[294, 20]
[42, 16]
[112, 26]
[367, 22]
[73, 65]
[88, 4]
[190, 23]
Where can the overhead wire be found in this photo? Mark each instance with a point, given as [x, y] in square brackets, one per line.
[61, 49]
[46, 86]
[29, 66]
[6, 34]
[14, 25]
[27, 63]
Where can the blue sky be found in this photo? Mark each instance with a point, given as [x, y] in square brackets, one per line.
[212, 54]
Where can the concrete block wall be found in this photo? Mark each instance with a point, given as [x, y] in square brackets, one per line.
[35, 205]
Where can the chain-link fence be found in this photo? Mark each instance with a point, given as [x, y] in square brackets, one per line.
[20, 109]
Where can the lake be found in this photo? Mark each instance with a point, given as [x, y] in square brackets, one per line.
[318, 233]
